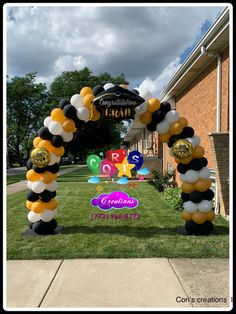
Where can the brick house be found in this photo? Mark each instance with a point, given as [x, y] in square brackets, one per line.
[199, 91]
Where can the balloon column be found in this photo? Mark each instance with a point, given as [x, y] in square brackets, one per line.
[185, 147]
[117, 102]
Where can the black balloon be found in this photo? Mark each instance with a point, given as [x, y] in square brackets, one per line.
[44, 133]
[53, 168]
[191, 227]
[165, 107]
[78, 123]
[44, 228]
[135, 91]
[30, 224]
[182, 168]
[199, 229]
[151, 126]
[54, 193]
[187, 132]
[39, 170]
[196, 164]
[196, 197]
[172, 140]
[205, 228]
[29, 164]
[185, 196]
[32, 196]
[63, 103]
[45, 196]
[57, 140]
[205, 161]
[70, 112]
[208, 195]
[158, 116]
[97, 90]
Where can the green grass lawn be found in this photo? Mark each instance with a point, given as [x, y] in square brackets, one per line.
[78, 175]
[155, 234]
[18, 177]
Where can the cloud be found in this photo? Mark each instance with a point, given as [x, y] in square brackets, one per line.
[157, 85]
[143, 42]
[144, 171]
[94, 180]
[123, 180]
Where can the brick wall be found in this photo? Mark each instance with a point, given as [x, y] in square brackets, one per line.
[152, 163]
[220, 150]
[197, 103]
[225, 91]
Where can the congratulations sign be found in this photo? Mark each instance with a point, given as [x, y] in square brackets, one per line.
[117, 103]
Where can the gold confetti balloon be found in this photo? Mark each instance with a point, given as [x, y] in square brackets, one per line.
[40, 157]
[182, 149]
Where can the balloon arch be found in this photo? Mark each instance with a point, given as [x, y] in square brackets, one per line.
[117, 102]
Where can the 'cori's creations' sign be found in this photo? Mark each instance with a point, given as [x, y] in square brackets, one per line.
[115, 200]
[117, 103]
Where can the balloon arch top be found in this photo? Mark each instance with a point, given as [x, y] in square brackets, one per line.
[117, 102]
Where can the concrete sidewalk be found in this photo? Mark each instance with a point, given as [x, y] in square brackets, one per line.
[22, 185]
[108, 283]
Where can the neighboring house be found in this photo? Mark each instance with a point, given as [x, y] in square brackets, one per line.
[199, 91]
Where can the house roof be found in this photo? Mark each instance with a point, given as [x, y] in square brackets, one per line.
[214, 41]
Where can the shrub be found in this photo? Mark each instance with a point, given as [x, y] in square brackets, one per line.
[173, 199]
[160, 181]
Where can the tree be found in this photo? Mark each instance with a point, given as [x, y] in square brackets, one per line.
[96, 136]
[26, 109]
[69, 83]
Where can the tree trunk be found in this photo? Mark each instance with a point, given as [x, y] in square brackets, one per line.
[74, 155]
[19, 157]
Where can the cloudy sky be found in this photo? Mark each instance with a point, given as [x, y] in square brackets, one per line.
[148, 44]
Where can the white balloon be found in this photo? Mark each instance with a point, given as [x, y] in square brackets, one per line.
[191, 176]
[52, 186]
[38, 186]
[53, 159]
[29, 184]
[47, 121]
[182, 178]
[47, 215]
[141, 108]
[204, 173]
[67, 136]
[55, 128]
[172, 116]
[190, 207]
[191, 140]
[83, 114]
[205, 206]
[163, 127]
[108, 85]
[171, 153]
[33, 217]
[196, 140]
[77, 101]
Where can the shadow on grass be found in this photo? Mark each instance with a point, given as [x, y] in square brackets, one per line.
[138, 232]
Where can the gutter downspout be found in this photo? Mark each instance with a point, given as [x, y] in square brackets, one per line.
[219, 94]
[218, 117]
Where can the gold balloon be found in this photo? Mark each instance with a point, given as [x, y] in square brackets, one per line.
[182, 149]
[40, 157]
